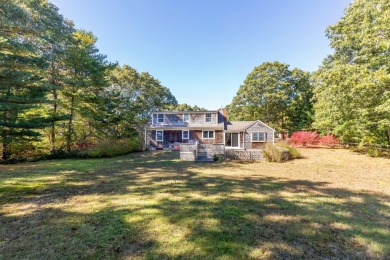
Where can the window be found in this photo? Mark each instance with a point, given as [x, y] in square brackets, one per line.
[160, 118]
[159, 135]
[208, 135]
[208, 118]
[185, 134]
[186, 117]
[258, 137]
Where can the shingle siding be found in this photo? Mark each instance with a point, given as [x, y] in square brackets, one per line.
[258, 127]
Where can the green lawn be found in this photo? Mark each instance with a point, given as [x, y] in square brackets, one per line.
[331, 204]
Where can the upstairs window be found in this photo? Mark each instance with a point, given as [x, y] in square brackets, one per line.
[160, 118]
[208, 118]
[186, 117]
[258, 137]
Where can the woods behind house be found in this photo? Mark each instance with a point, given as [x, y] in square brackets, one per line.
[59, 94]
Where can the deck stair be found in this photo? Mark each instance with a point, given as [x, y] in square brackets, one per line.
[205, 155]
[200, 152]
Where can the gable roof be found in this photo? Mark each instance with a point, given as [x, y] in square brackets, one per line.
[237, 126]
[177, 112]
[240, 126]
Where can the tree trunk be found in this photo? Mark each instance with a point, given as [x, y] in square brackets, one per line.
[70, 126]
[53, 126]
[5, 148]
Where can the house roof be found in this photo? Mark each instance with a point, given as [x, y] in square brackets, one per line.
[219, 126]
[174, 112]
[237, 126]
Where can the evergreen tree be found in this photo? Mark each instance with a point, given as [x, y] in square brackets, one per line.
[21, 87]
[85, 80]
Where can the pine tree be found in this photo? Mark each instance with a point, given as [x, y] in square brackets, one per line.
[21, 86]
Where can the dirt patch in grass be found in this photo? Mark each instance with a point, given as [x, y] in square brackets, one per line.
[331, 204]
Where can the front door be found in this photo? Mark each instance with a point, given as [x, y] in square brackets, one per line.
[232, 140]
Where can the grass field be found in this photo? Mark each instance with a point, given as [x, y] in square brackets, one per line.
[330, 204]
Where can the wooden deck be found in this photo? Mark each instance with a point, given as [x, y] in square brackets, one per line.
[206, 152]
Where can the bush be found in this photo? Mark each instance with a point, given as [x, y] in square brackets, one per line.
[329, 140]
[110, 148]
[374, 151]
[304, 138]
[219, 157]
[294, 153]
[273, 153]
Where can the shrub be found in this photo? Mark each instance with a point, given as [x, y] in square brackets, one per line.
[304, 138]
[329, 140]
[294, 152]
[219, 157]
[374, 151]
[110, 148]
[273, 153]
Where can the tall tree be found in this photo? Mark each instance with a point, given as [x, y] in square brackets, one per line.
[85, 68]
[129, 100]
[22, 89]
[352, 90]
[275, 95]
[186, 107]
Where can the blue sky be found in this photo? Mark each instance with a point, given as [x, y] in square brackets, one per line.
[203, 50]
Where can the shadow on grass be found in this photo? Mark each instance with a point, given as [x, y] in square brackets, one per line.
[151, 205]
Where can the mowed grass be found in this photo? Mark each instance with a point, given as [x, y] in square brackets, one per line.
[330, 204]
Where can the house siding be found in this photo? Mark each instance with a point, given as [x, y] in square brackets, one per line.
[171, 136]
[177, 119]
[258, 127]
[169, 119]
[197, 135]
[201, 119]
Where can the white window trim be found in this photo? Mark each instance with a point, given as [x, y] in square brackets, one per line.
[182, 134]
[259, 141]
[186, 121]
[163, 118]
[162, 135]
[239, 140]
[211, 117]
[208, 134]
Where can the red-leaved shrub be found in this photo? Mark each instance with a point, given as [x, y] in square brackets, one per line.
[304, 138]
[329, 140]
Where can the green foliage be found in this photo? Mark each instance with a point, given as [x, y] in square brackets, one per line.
[219, 157]
[58, 90]
[351, 87]
[128, 101]
[272, 153]
[374, 151]
[186, 107]
[113, 147]
[276, 95]
[21, 86]
[294, 152]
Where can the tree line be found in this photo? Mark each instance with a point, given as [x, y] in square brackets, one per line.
[57, 90]
[349, 95]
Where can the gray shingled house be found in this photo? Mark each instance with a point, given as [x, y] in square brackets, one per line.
[166, 128]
